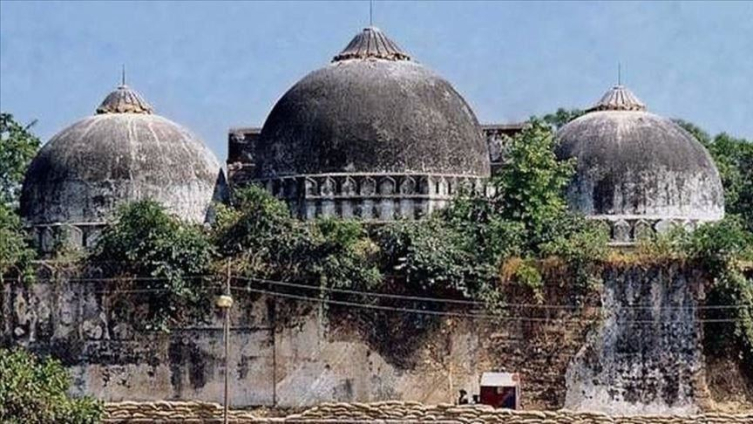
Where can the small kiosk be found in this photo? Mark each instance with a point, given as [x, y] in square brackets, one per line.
[500, 390]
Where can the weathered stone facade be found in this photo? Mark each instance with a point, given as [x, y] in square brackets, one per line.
[372, 197]
[368, 196]
[282, 358]
[498, 140]
[124, 153]
[646, 357]
[637, 171]
[373, 135]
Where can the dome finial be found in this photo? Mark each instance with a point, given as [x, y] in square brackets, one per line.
[371, 13]
[618, 98]
[124, 100]
[371, 43]
[122, 76]
[619, 73]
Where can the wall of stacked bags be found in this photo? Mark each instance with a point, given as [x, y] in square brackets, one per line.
[393, 412]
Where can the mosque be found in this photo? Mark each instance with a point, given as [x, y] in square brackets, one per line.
[373, 135]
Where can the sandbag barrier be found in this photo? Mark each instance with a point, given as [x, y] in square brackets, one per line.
[390, 412]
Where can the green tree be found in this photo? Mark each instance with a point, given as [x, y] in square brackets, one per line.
[260, 234]
[343, 256]
[528, 216]
[431, 258]
[486, 232]
[734, 160]
[562, 116]
[530, 189]
[34, 391]
[266, 242]
[174, 256]
[17, 148]
[15, 253]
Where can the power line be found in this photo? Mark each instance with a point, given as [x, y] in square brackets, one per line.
[359, 292]
[378, 294]
[459, 314]
[123, 279]
[476, 303]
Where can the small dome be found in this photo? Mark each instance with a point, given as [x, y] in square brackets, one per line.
[123, 153]
[372, 110]
[634, 164]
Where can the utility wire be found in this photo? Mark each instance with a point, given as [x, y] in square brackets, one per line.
[473, 302]
[373, 294]
[457, 314]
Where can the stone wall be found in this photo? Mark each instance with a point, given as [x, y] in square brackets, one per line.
[292, 356]
[646, 356]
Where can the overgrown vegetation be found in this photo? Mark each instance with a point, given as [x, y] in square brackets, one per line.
[472, 250]
[562, 116]
[15, 253]
[455, 253]
[529, 217]
[734, 159]
[165, 258]
[265, 242]
[724, 250]
[18, 145]
[34, 391]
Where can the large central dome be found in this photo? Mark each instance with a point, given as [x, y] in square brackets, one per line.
[371, 110]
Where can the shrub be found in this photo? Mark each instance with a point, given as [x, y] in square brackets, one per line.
[259, 233]
[18, 145]
[34, 391]
[15, 254]
[175, 256]
[721, 248]
[530, 189]
[432, 258]
[343, 256]
[582, 245]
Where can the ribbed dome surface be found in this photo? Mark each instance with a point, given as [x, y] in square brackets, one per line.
[372, 114]
[633, 163]
[99, 163]
[618, 98]
[371, 42]
[124, 100]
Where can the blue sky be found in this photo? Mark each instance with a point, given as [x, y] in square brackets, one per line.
[213, 65]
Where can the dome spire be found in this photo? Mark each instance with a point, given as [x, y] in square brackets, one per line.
[619, 73]
[371, 43]
[124, 100]
[618, 98]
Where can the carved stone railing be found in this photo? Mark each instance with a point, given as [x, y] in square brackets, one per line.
[627, 230]
[48, 237]
[371, 196]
